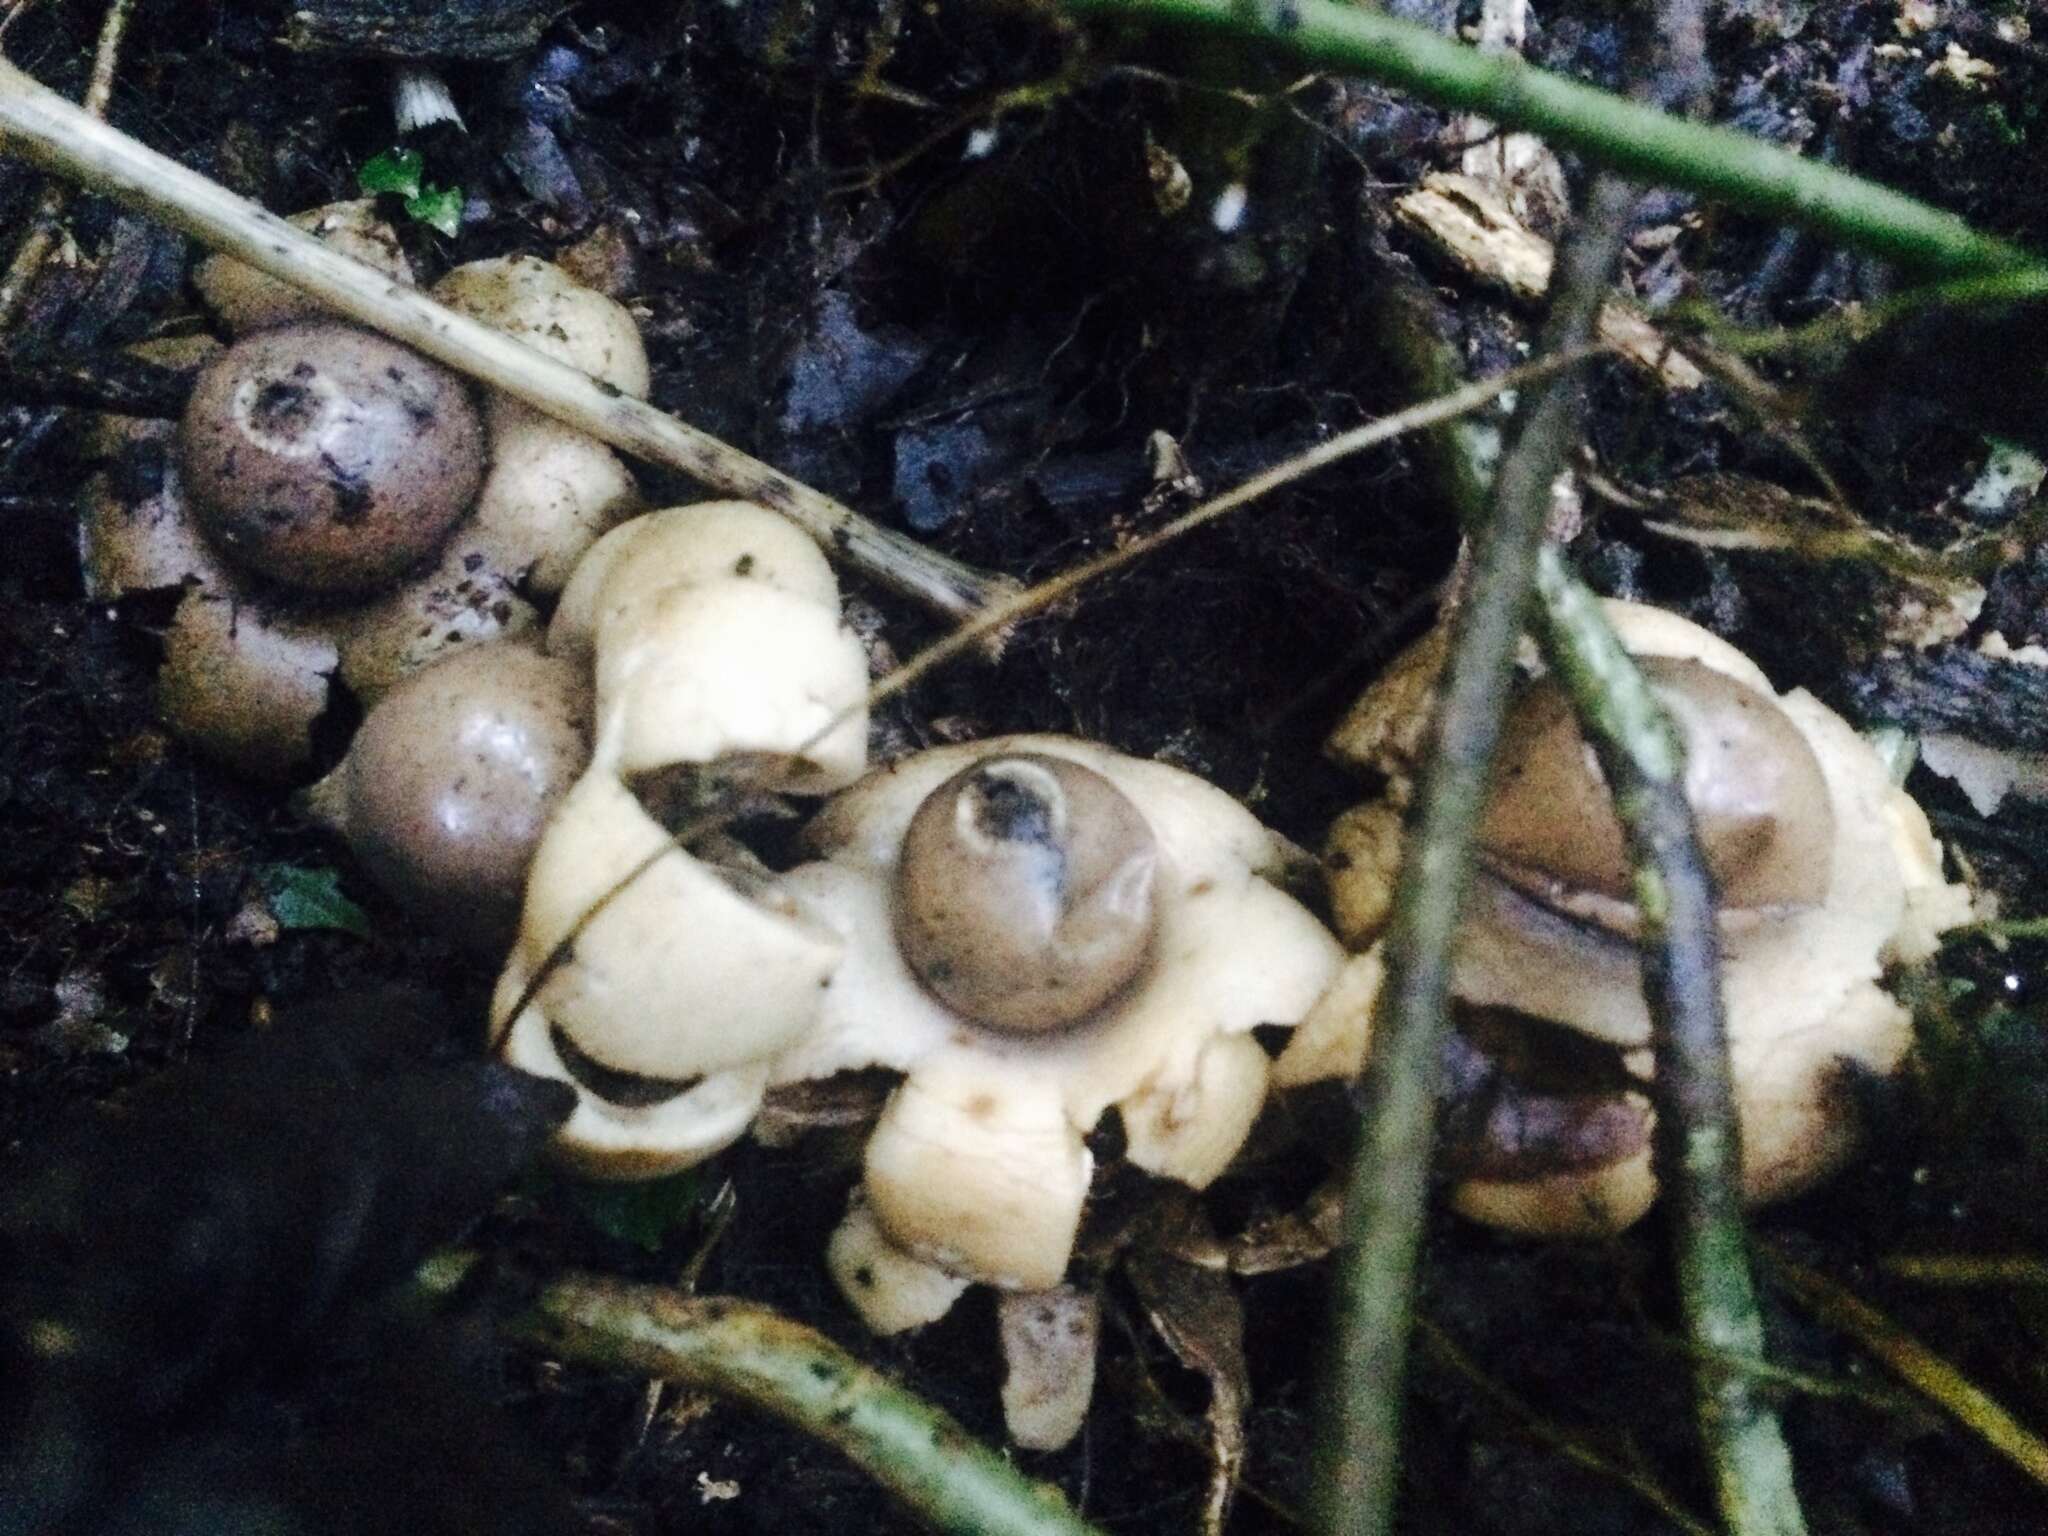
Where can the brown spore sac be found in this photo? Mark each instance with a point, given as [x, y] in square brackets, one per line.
[327, 458]
[452, 778]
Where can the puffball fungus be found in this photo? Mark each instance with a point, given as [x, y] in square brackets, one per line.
[333, 505]
[664, 979]
[1828, 874]
[1147, 941]
[327, 458]
[450, 779]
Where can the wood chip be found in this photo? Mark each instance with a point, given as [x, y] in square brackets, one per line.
[1466, 223]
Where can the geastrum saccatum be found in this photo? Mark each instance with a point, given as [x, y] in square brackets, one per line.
[659, 979]
[1036, 931]
[1828, 875]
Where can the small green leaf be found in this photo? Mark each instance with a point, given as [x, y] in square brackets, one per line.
[396, 170]
[642, 1214]
[438, 206]
[310, 898]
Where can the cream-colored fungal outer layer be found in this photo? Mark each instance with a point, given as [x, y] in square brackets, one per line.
[673, 967]
[246, 300]
[627, 569]
[551, 312]
[1801, 989]
[978, 1167]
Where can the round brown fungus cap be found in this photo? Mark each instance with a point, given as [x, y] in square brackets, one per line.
[327, 458]
[451, 778]
[1024, 895]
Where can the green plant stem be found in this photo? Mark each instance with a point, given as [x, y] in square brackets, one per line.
[754, 1355]
[1358, 1444]
[1696, 1146]
[1634, 139]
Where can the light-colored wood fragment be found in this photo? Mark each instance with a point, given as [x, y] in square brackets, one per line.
[1468, 224]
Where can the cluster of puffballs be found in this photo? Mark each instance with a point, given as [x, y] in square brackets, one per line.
[1024, 935]
[334, 515]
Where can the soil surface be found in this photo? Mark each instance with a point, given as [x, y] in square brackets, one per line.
[958, 266]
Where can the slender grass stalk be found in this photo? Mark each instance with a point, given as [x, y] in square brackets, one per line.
[1357, 1458]
[1696, 1148]
[1623, 135]
[1917, 1365]
[1969, 1269]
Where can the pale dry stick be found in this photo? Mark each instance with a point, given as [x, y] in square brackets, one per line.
[43, 128]
[34, 249]
[1036, 599]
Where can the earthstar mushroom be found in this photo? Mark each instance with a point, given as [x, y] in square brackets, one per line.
[1829, 875]
[337, 506]
[1159, 885]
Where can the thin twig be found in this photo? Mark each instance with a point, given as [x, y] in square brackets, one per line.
[1448, 407]
[1968, 1269]
[1625, 136]
[1556, 1436]
[41, 127]
[1013, 610]
[1920, 1367]
[1358, 1451]
[34, 249]
[1842, 328]
[1696, 1147]
[13, 12]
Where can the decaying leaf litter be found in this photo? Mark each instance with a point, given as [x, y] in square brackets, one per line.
[994, 331]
